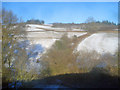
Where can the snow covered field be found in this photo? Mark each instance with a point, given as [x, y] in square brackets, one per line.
[40, 41]
[47, 38]
[45, 43]
[34, 27]
[100, 42]
[45, 35]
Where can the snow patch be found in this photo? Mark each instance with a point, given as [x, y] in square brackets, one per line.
[34, 27]
[45, 43]
[100, 42]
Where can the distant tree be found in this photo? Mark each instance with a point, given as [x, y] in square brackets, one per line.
[42, 22]
[91, 25]
[98, 22]
[108, 22]
[90, 20]
[35, 21]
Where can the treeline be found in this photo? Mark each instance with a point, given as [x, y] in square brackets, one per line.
[35, 21]
[100, 22]
[106, 22]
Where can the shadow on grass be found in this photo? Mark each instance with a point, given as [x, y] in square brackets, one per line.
[97, 78]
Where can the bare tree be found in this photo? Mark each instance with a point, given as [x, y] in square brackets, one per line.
[8, 17]
[12, 33]
[91, 25]
[90, 20]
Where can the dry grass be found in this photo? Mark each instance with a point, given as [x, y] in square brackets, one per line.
[109, 31]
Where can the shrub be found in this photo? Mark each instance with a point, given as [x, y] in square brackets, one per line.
[92, 27]
[89, 60]
[60, 57]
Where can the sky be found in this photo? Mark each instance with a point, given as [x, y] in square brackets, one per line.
[64, 12]
[60, 0]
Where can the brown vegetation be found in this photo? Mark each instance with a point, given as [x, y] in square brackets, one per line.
[62, 60]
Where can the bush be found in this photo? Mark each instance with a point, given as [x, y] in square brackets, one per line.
[89, 60]
[16, 69]
[60, 57]
[92, 27]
